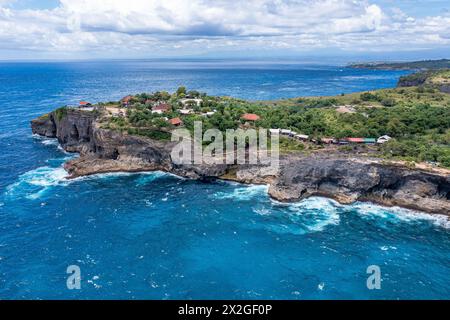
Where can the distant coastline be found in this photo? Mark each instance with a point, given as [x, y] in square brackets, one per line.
[413, 65]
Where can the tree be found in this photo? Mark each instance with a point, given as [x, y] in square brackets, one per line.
[181, 92]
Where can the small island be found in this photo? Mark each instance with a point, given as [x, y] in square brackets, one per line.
[389, 146]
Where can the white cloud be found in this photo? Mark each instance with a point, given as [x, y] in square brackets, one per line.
[160, 27]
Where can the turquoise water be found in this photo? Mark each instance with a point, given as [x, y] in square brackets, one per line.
[157, 236]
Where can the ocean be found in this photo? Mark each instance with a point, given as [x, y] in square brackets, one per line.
[157, 236]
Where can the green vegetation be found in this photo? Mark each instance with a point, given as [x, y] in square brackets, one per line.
[60, 113]
[414, 65]
[428, 80]
[289, 145]
[418, 118]
[426, 148]
[44, 117]
[407, 96]
[150, 133]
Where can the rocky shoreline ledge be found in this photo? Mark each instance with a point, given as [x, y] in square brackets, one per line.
[341, 177]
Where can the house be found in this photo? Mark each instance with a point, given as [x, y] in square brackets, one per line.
[150, 102]
[328, 140]
[250, 117]
[355, 140]
[189, 102]
[186, 111]
[361, 140]
[274, 131]
[370, 140]
[161, 108]
[301, 137]
[209, 114]
[176, 122]
[126, 101]
[85, 104]
[383, 139]
[287, 132]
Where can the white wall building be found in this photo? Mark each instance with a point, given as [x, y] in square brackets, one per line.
[186, 101]
[383, 139]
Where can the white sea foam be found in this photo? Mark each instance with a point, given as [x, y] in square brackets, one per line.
[365, 210]
[262, 211]
[146, 176]
[243, 193]
[396, 214]
[310, 215]
[318, 213]
[43, 176]
[34, 183]
[45, 140]
[50, 142]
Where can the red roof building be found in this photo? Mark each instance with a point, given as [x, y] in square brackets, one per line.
[85, 104]
[355, 140]
[126, 100]
[176, 122]
[160, 108]
[251, 117]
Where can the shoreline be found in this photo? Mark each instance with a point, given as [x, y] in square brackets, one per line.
[342, 200]
[241, 183]
[410, 210]
[338, 176]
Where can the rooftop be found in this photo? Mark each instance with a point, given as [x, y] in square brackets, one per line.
[250, 117]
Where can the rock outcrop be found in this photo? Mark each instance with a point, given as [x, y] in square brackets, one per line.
[349, 180]
[331, 175]
[103, 150]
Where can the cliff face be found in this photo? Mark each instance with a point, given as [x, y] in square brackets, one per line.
[103, 150]
[349, 180]
[344, 179]
[74, 129]
[427, 78]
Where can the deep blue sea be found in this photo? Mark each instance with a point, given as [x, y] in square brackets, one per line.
[157, 236]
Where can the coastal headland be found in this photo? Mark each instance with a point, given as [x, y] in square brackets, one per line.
[132, 135]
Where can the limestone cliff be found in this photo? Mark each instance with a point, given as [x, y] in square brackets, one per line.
[340, 177]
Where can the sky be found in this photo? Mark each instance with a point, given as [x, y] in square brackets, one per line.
[127, 29]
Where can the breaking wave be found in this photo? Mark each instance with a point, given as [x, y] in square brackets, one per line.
[243, 193]
[33, 184]
[398, 215]
[310, 215]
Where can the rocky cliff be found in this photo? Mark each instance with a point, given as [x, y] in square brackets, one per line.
[340, 177]
[425, 78]
[103, 150]
[348, 180]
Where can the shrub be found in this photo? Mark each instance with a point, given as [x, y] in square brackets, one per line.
[368, 96]
[60, 113]
[388, 102]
